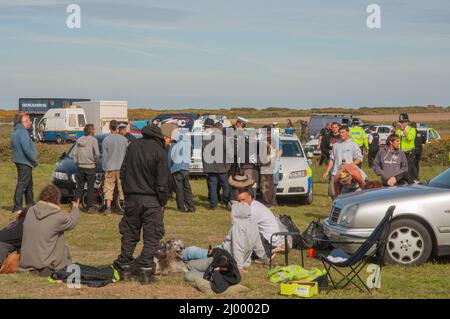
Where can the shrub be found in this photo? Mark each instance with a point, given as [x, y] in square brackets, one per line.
[437, 152]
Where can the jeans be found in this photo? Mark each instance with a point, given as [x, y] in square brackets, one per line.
[141, 214]
[214, 180]
[194, 253]
[24, 186]
[86, 176]
[183, 190]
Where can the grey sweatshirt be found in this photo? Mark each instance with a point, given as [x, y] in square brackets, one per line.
[114, 148]
[43, 244]
[389, 163]
[243, 237]
[86, 154]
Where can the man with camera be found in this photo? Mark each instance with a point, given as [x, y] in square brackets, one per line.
[407, 135]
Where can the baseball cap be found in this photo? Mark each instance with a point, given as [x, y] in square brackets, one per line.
[243, 120]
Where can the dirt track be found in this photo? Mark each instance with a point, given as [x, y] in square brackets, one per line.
[417, 117]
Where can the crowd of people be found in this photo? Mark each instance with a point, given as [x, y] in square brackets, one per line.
[342, 148]
[144, 172]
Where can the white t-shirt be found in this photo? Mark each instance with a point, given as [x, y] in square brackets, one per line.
[266, 221]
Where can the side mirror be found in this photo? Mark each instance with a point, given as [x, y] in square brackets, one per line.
[63, 156]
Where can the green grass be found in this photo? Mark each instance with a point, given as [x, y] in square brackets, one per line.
[96, 241]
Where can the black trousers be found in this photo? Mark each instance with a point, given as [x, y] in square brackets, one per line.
[412, 171]
[141, 214]
[371, 158]
[324, 157]
[417, 162]
[24, 186]
[183, 190]
[86, 176]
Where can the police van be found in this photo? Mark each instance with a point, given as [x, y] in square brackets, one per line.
[62, 124]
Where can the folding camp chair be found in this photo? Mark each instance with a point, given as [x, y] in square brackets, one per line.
[286, 246]
[363, 256]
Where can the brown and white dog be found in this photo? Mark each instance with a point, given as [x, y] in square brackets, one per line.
[169, 258]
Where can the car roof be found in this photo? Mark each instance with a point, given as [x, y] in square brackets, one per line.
[289, 137]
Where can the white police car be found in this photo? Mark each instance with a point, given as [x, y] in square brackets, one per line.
[295, 173]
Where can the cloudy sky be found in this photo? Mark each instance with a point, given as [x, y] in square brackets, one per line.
[211, 53]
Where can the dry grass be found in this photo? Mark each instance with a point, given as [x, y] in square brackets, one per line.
[96, 241]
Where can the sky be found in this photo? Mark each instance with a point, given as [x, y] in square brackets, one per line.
[210, 53]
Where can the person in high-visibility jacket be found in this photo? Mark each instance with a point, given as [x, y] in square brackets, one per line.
[358, 136]
[407, 135]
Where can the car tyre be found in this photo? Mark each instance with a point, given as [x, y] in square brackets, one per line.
[59, 139]
[308, 199]
[409, 243]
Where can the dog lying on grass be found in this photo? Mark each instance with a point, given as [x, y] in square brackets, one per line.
[168, 260]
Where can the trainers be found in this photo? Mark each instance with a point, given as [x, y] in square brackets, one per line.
[107, 211]
[17, 211]
[146, 275]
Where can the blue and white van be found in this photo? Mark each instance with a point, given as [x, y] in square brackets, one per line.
[61, 125]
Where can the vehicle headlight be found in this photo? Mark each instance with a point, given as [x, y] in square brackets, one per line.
[348, 214]
[60, 176]
[298, 174]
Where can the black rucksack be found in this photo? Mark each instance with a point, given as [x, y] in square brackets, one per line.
[314, 235]
[375, 145]
[297, 241]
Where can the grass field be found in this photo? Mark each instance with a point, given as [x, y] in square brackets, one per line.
[96, 241]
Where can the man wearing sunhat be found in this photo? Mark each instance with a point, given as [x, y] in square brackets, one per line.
[145, 184]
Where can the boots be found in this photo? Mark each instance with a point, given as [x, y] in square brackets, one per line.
[124, 271]
[146, 275]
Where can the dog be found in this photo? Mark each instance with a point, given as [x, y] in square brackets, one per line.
[169, 258]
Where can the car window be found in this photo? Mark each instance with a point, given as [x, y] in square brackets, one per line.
[72, 120]
[442, 180]
[385, 130]
[291, 149]
[81, 120]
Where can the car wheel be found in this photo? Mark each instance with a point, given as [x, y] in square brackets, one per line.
[59, 140]
[409, 243]
[308, 199]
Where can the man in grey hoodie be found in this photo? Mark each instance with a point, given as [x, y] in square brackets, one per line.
[86, 155]
[243, 238]
[391, 163]
[43, 247]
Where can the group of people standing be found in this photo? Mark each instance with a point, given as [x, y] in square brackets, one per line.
[229, 162]
[342, 148]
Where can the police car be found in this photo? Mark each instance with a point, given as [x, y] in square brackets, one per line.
[295, 172]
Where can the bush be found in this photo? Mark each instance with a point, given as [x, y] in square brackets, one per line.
[47, 153]
[437, 152]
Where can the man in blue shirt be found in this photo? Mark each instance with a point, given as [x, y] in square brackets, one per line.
[179, 158]
[25, 158]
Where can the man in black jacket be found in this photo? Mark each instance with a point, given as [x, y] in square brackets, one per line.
[145, 175]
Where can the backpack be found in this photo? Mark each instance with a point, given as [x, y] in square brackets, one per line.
[296, 242]
[90, 276]
[375, 145]
[313, 235]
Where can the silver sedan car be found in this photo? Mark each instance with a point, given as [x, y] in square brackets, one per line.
[420, 226]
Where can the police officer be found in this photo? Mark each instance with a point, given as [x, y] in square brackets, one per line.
[407, 135]
[358, 136]
[373, 139]
[244, 151]
[419, 141]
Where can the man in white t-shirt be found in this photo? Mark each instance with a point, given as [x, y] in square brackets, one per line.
[263, 217]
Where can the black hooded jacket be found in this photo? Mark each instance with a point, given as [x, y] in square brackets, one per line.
[145, 169]
[221, 280]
